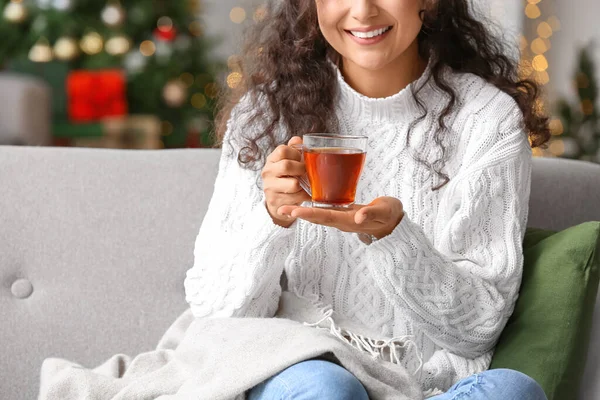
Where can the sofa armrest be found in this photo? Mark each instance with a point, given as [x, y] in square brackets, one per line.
[25, 110]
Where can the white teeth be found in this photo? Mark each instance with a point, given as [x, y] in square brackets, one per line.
[372, 34]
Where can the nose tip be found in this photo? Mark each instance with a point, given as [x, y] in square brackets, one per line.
[363, 10]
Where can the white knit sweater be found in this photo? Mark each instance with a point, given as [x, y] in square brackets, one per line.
[448, 276]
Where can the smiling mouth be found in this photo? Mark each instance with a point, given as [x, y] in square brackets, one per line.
[371, 34]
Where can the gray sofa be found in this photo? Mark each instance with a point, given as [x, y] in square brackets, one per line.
[94, 246]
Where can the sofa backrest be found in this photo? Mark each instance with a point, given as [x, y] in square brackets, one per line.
[94, 246]
[563, 193]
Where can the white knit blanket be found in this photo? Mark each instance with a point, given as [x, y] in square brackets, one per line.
[216, 359]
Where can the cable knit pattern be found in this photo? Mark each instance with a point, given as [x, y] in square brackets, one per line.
[447, 276]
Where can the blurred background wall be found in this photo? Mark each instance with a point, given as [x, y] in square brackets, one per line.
[580, 25]
[559, 44]
[225, 19]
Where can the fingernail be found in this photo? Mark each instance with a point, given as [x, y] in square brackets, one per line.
[362, 218]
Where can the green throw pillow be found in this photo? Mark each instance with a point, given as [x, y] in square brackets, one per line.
[548, 334]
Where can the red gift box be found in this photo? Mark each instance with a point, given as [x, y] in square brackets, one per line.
[93, 95]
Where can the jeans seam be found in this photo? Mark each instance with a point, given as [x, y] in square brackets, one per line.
[285, 385]
[462, 395]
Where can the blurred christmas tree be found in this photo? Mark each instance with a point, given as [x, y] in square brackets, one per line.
[152, 53]
[579, 124]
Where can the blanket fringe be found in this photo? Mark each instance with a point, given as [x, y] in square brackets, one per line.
[432, 392]
[387, 350]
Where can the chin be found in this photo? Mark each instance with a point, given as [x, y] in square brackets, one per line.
[369, 63]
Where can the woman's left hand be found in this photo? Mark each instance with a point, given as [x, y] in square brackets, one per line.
[379, 218]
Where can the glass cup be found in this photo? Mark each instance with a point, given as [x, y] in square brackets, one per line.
[334, 164]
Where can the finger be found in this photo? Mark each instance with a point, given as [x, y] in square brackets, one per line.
[361, 216]
[295, 140]
[278, 199]
[322, 211]
[283, 152]
[287, 167]
[292, 200]
[286, 209]
[283, 185]
[343, 220]
[301, 197]
[288, 203]
[276, 154]
[379, 212]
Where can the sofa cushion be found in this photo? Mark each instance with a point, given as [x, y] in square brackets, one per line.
[548, 334]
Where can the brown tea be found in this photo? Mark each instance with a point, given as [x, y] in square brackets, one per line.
[333, 174]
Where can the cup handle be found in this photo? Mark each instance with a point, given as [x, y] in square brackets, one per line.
[304, 183]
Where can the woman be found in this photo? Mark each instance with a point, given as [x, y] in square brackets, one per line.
[432, 250]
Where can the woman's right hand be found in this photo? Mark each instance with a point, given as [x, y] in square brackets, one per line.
[280, 182]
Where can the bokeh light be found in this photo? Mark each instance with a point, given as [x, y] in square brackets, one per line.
[556, 127]
[41, 51]
[532, 11]
[211, 90]
[195, 28]
[234, 63]
[554, 23]
[525, 68]
[198, 100]
[587, 107]
[66, 48]
[113, 15]
[547, 43]
[539, 63]
[557, 147]
[92, 43]
[538, 46]
[187, 79]
[260, 13]
[147, 48]
[544, 30]
[542, 77]
[234, 79]
[237, 15]
[164, 24]
[175, 93]
[14, 11]
[118, 45]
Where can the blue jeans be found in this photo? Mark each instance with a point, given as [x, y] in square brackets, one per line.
[318, 379]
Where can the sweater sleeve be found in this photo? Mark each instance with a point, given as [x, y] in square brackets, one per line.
[239, 252]
[461, 291]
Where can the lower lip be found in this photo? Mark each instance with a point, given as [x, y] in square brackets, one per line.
[369, 41]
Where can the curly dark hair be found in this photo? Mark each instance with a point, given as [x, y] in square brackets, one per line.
[299, 94]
